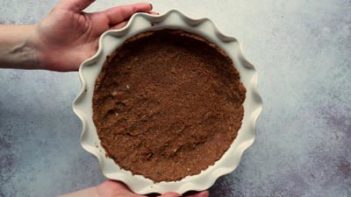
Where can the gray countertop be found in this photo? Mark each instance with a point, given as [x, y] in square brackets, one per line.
[302, 52]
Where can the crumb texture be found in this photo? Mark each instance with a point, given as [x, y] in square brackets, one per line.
[167, 104]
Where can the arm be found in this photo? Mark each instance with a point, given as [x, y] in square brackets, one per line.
[16, 49]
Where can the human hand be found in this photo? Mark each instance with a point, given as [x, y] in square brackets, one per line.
[117, 189]
[68, 35]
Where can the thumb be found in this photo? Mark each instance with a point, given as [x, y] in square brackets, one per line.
[74, 5]
[170, 194]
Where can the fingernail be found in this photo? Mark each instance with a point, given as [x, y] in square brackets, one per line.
[150, 6]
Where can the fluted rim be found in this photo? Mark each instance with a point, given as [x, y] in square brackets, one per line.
[109, 41]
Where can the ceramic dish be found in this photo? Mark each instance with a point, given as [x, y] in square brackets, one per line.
[90, 69]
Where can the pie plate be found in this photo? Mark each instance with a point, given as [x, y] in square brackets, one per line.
[108, 43]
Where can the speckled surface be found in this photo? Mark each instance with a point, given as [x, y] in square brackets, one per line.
[302, 51]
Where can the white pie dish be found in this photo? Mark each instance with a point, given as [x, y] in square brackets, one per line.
[90, 69]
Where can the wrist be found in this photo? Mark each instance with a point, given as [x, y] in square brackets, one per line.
[33, 43]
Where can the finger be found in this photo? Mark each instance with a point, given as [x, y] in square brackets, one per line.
[115, 185]
[153, 13]
[118, 14]
[124, 23]
[74, 5]
[200, 194]
[119, 25]
[170, 194]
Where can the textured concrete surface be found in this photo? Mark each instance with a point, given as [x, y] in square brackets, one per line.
[302, 51]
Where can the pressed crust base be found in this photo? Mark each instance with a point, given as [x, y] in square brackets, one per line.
[167, 104]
